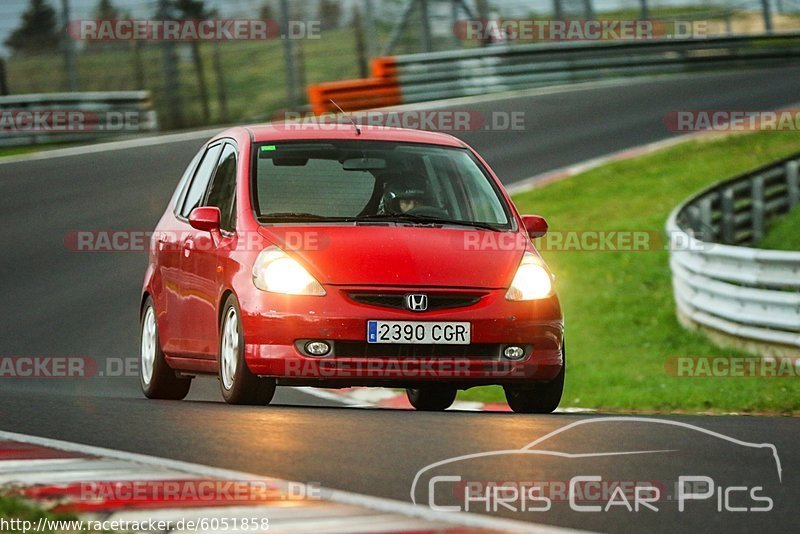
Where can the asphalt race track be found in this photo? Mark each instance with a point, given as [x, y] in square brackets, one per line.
[59, 303]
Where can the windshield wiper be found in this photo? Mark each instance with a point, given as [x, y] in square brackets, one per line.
[399, 217]
[296, 217]
[424, 219]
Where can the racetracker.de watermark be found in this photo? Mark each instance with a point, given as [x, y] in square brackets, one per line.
[732, 367]
[314, 241]
[185, 30]
[193, 491]
[71, 121]
[47, 366]
[67, 367]
[165, 240]
[446, 120]
[499, 30]
[235, 523]
[345, 366]
[720, 120]
[580, 241]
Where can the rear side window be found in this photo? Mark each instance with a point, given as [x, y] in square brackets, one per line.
[223, 189]
[199, 186]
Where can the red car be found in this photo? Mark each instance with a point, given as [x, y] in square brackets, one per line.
[337, 257]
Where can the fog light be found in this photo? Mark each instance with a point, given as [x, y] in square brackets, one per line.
[317, 348]
[514, 353]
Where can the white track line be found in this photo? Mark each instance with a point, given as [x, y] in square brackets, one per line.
[526, 184]
[115, 145]
[207, 133]
[421, 106]
[33, 464]
[370, 397]
[522, 186]
[533, 92]
[345, 497]
[327, 395]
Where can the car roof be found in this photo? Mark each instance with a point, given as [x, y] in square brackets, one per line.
[261, 133]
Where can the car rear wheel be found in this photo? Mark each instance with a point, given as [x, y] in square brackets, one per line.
[431, 399]
[538, 398]
[157, 379]
[238, 384]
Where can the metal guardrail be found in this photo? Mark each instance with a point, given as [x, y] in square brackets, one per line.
[721, 283]
[423, 77]
[29, 119]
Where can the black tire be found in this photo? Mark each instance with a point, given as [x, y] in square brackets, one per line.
[431, 399]
[163, 383]
[238, 384]
[543, 397]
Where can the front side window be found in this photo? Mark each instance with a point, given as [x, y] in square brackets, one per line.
[222, 193]
[353, 181]
[199, 186]
[180, 191]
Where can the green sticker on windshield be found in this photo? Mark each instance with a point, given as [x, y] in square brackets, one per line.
[269, 148]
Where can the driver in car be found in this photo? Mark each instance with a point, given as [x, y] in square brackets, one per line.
[405, 195]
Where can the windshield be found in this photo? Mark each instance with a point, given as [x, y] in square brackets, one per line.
[338, 181]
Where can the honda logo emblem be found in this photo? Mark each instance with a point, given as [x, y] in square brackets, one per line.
[417, 303]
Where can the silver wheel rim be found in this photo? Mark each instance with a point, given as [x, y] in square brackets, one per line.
[148, 344]
[230, 348]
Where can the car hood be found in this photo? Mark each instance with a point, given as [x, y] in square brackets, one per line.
[400, 255]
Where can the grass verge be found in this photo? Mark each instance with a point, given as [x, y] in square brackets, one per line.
[619, 309]
[783, 234]
[17, 513]
[22, 150]
[18, 150]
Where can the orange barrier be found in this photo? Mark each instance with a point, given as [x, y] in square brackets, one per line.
[384, 67]
[382, 90]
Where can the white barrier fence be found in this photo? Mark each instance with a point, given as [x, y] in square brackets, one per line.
[721, 283]
[30, 119]
[451, 74]
[414, 78]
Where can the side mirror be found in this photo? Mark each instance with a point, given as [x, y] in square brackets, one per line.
[206, 219]
[535, 225]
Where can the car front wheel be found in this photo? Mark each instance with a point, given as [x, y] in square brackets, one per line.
[538, 398]
[431, 399]
[238, 384]
[157, 379]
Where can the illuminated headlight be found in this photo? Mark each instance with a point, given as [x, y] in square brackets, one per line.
[276, 272]
[533, 281]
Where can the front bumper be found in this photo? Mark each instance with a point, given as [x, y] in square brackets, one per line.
[273, 324]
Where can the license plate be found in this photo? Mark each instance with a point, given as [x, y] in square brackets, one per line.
[418, 333]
